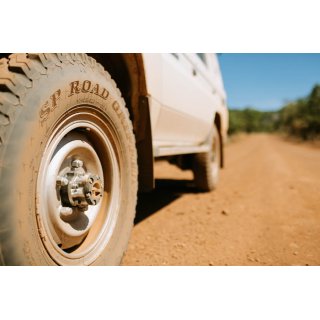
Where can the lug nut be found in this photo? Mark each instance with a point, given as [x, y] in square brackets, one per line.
[77, 163]
[62, 181]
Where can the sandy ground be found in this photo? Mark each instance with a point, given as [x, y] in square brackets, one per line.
[265, 211]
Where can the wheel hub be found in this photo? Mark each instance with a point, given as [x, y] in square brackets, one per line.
[78, 189]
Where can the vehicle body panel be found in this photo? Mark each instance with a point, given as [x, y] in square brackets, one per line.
[185, 93]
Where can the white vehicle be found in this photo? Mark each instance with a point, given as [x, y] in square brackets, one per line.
[78, 137]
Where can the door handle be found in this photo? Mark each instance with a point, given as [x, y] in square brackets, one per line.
[194, 72]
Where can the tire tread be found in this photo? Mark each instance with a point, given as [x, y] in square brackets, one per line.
[19, 70]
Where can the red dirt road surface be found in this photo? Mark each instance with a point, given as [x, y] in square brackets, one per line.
[265, 211]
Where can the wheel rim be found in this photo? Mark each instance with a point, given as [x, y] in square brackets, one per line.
[78, 188]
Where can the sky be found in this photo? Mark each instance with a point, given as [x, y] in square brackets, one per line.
[266, 81]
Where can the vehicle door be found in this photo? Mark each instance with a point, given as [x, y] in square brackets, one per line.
[187, 100]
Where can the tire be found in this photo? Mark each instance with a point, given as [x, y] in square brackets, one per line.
[68, 160]
[206, 166]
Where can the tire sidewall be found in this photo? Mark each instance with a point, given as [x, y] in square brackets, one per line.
[47, 101]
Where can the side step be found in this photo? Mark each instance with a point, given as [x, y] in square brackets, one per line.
[170, 151]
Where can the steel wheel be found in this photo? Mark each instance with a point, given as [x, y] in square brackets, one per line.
[78, 189]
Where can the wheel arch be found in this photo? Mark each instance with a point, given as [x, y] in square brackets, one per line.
[127, 70]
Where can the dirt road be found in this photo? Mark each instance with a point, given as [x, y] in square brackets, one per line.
[266, 210]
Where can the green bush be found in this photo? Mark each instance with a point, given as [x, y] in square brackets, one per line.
[300, 118]
[251, 120]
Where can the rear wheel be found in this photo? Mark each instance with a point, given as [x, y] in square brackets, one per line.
[206, 166]
[69, 165]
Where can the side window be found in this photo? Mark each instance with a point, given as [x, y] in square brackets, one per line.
[202, 56]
